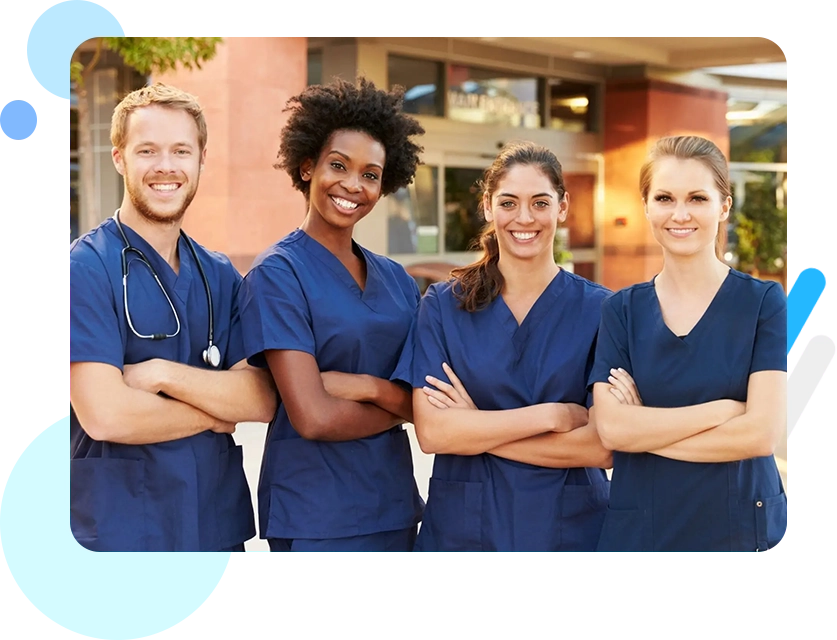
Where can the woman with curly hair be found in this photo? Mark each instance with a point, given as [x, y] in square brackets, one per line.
[330, 318]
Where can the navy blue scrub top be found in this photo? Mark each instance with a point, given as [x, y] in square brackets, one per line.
[184, 495]
[485, 502]
[298, 296]
[660, 504]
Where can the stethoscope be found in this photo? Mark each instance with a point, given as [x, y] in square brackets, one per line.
[211, 355]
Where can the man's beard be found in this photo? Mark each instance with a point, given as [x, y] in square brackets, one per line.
[143, 207]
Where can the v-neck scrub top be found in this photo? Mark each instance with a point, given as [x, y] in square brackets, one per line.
[184, 495]
[660, 504]
[485, 502]
[298, 296]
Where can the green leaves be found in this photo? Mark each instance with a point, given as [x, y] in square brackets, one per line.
[158, 55]
[154, 55]
[760, 228]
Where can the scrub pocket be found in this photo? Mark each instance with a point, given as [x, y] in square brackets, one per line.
[107, 505]
[768, 519]
[453, 518]
[583, 508]
[625, 530]
[308, 497]
[233, 505]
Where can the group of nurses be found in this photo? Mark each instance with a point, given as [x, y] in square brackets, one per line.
[526, 381]
[499, 367]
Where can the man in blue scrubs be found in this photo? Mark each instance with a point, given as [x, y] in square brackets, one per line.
[158, 378]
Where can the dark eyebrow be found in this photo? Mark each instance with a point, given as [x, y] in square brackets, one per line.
[348, 159]
[511, 195]
[691, 193]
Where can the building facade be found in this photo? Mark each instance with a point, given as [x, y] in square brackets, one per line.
[598, 103]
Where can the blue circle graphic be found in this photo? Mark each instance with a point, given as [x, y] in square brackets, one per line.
[58, 33]
[18, 119]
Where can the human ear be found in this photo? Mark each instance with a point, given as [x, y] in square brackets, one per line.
[118, 162]
[564, 207]
[486, 209]
[306, 169]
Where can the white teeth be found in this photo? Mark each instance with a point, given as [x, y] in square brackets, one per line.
[519, 235]
[681, 232]
[344, 203]
[164, 187]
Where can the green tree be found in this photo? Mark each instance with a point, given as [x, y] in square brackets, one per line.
[148, 56]
[759, 225]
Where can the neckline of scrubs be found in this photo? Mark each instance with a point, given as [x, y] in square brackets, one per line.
[177, 282]
[539, 310]
[370, 292]
[707, 313]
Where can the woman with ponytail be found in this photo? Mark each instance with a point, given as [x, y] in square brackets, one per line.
[500, 359]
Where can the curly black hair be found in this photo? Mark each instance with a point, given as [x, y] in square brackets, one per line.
[320, 110]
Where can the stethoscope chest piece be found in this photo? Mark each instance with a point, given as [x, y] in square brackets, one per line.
[212, 356]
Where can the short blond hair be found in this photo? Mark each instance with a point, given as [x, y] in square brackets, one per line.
[156, 94]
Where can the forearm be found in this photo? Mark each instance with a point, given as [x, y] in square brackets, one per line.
[336, 420]
[577, 448]
[633, 428]
[741, 438]
[472, 432]
[392, 398]
[237, 395]
[138, 417]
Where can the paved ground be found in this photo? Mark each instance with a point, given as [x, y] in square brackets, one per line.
[251, 436]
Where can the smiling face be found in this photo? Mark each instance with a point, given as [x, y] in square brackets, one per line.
[161, 162]
[684, 206]
[525, 209]
[345, 180]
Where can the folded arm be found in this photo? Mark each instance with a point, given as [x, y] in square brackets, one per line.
[580, 447]
[636, 428]
[753, 434]
[109, 410]
[366, 388]
[447, 420]
[241, 394]
[313, 412]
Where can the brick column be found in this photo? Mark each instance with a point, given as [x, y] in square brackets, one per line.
[637, 113]
[243, 203]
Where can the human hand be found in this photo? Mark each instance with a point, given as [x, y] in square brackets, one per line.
[622, 386]
[223, 427]
[732, 409]
[446, 395]
[145, 376]
[570, 416]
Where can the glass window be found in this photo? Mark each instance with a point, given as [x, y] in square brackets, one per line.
[462, 220]
[413, 223]
[571, 106]
[422, 81]
[74, 167]
[580, 219]
[493, 97]
[74, 205]
[758, 131]
[73, 130]
[315, 67]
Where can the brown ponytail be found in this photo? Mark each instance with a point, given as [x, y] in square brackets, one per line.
[478, 284]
